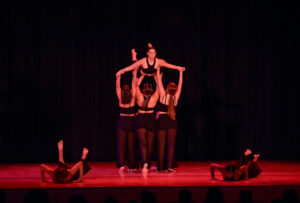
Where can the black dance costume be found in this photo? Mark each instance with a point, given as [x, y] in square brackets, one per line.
[61, 172]
[126, 139]
[151, 68]
[167, 129]
[253, 169]
[145, 125]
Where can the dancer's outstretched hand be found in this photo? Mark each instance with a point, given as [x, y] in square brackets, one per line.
[133, 54]
[60, 144]
[181, 68]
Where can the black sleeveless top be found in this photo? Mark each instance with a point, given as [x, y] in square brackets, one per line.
[164, 107]
[150, 69]
[129, 110]
[146, 109]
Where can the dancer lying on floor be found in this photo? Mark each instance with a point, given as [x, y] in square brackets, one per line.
[63, 174]
[244, 168]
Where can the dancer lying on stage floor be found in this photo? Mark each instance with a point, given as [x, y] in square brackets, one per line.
[244, 168]
[63, 174]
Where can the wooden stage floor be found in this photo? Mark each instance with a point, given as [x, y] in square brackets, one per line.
[105, 179]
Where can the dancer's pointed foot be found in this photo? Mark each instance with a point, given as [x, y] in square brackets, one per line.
[145, 168]
[133, 54]
[256, 156]
[85, 151]
[247, 152]
[121, 169]
[60, 145]
[170, 170]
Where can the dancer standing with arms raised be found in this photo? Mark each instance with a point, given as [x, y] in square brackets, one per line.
[125, 130]
[145, 121]
[167, 123]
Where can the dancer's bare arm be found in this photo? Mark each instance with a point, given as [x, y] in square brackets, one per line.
[179, 86]
[131, 67]
[163, 63]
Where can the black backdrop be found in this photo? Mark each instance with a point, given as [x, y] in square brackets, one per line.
[59, 59]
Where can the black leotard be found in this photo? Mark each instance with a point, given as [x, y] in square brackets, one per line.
[151, 68]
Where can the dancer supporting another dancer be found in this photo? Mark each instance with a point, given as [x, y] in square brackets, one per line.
[167, 123]
[149, 64]
[63, 174]
[244, 168]
[125, 130]
[145, 122]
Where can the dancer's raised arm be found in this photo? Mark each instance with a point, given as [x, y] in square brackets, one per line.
[160, 85]
[179, 86]
[131, 67]
[118, 86]
[133, 83]
[157, 91]
[138, 83]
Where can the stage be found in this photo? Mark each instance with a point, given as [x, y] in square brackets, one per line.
[105, 180]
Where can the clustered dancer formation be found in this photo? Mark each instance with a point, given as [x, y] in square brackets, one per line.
[141, 125]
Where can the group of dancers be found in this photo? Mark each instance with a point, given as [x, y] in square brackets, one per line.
[140, 126]
[155, 114]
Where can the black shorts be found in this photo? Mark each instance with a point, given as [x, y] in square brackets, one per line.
[145, 120]
[126, 123]
[165, 122]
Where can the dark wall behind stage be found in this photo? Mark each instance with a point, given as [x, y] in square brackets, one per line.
[59, 59]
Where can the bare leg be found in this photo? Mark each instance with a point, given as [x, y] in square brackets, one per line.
[218, 167]
[44, 168]
[78, 166]
[60, 146]
[74, 169]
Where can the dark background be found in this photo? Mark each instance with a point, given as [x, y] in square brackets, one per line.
[58, 61]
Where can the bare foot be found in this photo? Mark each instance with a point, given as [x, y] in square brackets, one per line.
[133, 54]
[145, 168]
[85, 151]
[149, 45]
[247, 152]
[256, 156]
[60, 145]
